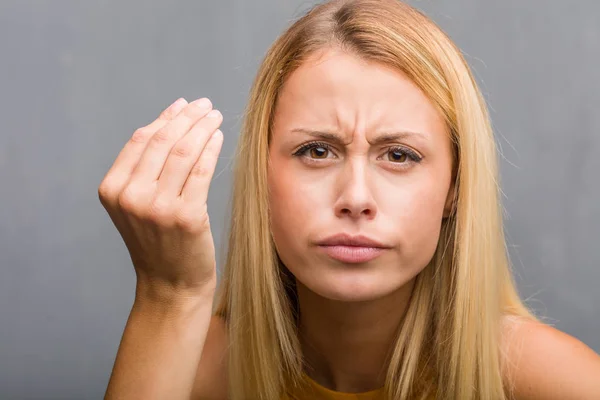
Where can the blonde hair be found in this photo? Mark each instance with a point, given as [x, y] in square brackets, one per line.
[449, 344]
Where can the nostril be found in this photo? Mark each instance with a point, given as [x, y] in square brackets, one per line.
[347, 211]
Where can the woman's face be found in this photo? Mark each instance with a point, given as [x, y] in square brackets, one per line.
[357, 150]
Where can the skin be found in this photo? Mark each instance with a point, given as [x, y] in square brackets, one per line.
[156, 194]
[350, 312]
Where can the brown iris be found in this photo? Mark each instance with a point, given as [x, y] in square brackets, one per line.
[397, 156]
[318, 152]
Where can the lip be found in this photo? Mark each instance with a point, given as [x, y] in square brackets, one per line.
[352, 249]
[344, 239]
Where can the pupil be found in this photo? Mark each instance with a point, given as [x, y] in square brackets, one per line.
[319, 151]
[398, 156]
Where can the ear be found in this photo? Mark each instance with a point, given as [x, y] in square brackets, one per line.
[450, 200]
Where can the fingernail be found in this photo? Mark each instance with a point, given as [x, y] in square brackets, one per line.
[203, 103]
[214, 114]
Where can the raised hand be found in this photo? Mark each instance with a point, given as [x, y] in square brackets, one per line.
[156, 193]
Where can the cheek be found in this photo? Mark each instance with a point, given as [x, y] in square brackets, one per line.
[297, 197]
[292, 208]
[417, 216]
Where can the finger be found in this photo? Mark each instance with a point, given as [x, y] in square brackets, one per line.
[160, 144]
[185, 154]
[169, 113]
[120, 172]
[138, 140]
[198, 181]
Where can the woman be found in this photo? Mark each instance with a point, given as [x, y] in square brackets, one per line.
[366, 252]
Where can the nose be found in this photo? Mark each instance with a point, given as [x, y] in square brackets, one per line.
[355, 198]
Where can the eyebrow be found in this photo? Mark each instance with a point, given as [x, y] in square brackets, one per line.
[384, 137]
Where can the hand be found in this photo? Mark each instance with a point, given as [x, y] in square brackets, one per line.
[156, 192]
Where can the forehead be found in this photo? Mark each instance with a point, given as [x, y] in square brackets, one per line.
[338, 90]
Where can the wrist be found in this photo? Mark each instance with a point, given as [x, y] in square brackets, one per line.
[167, 295]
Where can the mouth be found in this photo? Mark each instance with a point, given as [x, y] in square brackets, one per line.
[352, 254]
[352, 249]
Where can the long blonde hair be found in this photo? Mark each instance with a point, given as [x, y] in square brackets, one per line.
[449, 344]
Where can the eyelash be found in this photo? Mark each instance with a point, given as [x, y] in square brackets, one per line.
[413, 156]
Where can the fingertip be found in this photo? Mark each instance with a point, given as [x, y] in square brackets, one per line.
[217, 138]
[178, 105]
[174, 109]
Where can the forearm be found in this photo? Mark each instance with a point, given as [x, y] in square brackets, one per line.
[160, 349]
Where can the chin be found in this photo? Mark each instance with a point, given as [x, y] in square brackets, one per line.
[351, 285]
[349, 296]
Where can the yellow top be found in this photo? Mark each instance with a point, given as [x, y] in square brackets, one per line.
[314, 391]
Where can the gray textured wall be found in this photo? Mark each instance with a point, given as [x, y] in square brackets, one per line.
[76, 78]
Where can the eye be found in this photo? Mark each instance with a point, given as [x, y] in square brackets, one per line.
[318, 152]
[315, 150]
[402, 155]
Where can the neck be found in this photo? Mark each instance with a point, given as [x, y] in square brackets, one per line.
[347, 345]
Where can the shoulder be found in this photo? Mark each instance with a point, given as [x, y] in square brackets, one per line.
[541, 362]
[211, 376]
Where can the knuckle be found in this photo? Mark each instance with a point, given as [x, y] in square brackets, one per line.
[199, 170]
[160, 211]
[182, 151]
[128, 200]
[168, 114]
[192, 222]
[140, 135]
[161, 137]
[106, 192]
